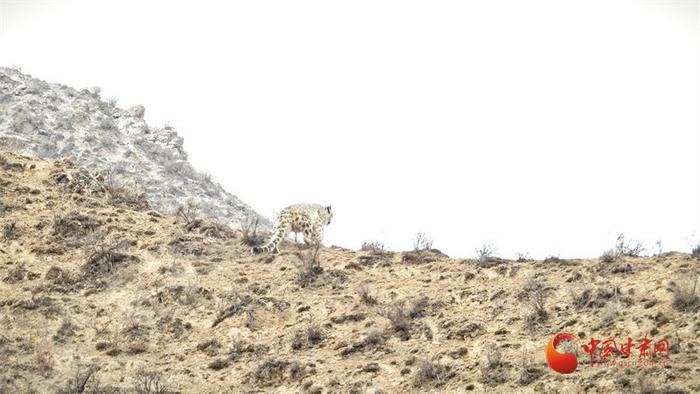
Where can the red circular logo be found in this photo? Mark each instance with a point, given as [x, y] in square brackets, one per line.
[561, 362]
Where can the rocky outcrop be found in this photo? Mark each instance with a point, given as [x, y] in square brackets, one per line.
[54, 121]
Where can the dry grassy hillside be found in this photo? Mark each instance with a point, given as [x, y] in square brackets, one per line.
[99, 294]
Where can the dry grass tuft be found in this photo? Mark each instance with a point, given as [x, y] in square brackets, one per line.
[432, 374]
[685, 295]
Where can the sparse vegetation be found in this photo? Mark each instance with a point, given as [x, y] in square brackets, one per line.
[84, 381]
[239, 305]
[484, 255]
[310, 267]
[375, 247]
[492, 372]
[343, 332]
[271, 371]
[401, 314]
[308, 337]
[120, 193]
[685, 295]
[535, 294]
[249, 228]
[366, 295]
[188, 213]
[431, 374]
[696, 252]
[44, 357]
[9, 231]
[104, 252]
[422, 242]
[149, 382]
[528, 371]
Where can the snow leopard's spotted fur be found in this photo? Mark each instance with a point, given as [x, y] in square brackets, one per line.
[309, 219]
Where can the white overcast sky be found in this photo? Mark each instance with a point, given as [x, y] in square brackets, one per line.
[545, 127]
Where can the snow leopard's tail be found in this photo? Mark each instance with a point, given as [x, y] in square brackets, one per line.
[278, 234]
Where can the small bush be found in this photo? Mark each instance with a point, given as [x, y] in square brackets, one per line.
[270, 371]
[104, 253]
[375, 247]
[685, 297]
[422, 242]
[44, 357]
[696, 252]
[493, 372]
[9, 231]
[188, 213]
[84, 381]
[149, 382]
[430, 373]
[623, 247]
[373, 340]
[398, 315]
[249, 228]
[608, 257]
[73, 227]
[554, 260]
[310, 267]
[484, 255]
[365, 295]
[528, 371]
[535, 293]
[308, 337]
[401, 314]
[239, 305]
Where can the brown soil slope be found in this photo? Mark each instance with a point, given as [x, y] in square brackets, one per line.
[98, 294]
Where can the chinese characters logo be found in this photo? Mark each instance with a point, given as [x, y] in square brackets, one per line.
[604, 352]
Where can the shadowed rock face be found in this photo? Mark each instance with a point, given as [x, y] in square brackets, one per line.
[54, 121]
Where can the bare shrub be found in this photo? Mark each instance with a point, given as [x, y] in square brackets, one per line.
[270, 371]
[67, 329]
[535, 293]
[485, 254]
[84, 380]
[608, 256]
[580, 297]
[492, 372]
[375, 247]
[188, 213]
[366, 295]
[120, 192]
[646, 385]
[310, 267]
[149, 382]
[554, 260]
[624, 247]
[422, 242]
[696, 252]
[374, 339]
[528, 371]
[249, 228]
[44, 357]
[685, 297]
[73, 227]
[308, 337]
[522, 257]
[9, 231]
[431, 374]
[239, 305]
[399, 316]
[104, 253]
[610, 313]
